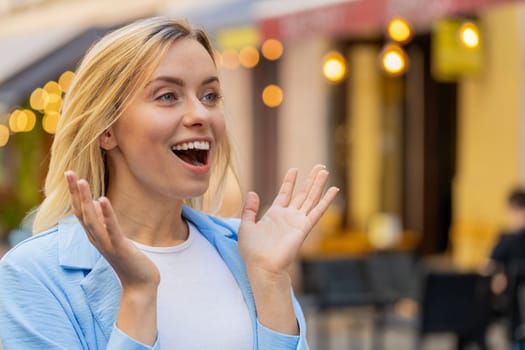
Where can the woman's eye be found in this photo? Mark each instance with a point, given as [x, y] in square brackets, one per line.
[211, 97]
[167, 97]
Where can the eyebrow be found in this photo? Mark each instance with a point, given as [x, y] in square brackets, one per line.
[180, 82]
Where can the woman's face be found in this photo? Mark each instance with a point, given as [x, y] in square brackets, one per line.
[165, 141]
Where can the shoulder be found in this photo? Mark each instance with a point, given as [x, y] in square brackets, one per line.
[35, 250]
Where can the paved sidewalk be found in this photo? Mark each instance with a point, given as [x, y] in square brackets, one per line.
[352, 330]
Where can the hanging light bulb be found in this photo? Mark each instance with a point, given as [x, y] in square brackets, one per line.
[334, 66]
[400, 30]
[394, 60]
[469, 35]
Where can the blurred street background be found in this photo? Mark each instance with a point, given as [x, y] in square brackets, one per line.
[415, 106]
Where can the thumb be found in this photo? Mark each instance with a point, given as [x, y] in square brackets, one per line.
[251, 207]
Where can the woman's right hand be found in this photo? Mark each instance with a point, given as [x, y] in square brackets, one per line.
[137, 315]
[134, 269]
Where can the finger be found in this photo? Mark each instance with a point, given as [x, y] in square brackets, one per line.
[299, 199]
[315, 193]
[318, 211]
[112, 225]
[285, 193]
[72, 179]
[90, 220]
[251, 207]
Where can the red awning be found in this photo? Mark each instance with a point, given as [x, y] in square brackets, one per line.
[360, 17]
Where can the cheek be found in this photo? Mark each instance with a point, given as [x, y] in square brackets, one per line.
[219, 127]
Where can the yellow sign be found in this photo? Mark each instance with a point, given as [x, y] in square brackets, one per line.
[239, 37]
[451, 57]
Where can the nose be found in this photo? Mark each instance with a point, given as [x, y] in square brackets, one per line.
[196, 114]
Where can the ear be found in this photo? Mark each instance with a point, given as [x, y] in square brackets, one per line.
[107, 140]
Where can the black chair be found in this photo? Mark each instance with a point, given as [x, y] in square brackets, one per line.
[336, 283]
[393, 276]
[457, 303]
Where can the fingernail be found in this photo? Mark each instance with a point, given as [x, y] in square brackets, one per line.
[67, 173]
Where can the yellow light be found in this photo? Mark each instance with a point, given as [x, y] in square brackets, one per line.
[272, 95]
[52, 87]
[272, 49]
[65, 80]
[54, 103]
[469, 35]
[230, 59]
[334, 66]
[30, 120]
[4, 135]
[39, 98]
[394, 60]
[399, 30]
[249, 56]
[17, 121]
[50, 121]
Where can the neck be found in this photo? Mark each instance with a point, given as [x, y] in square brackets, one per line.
[149, 220]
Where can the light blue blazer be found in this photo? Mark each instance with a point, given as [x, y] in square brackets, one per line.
[58, 292]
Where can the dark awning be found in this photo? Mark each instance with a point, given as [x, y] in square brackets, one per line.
[15, 89]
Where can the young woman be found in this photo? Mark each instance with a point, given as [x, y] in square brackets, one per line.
[122, 258]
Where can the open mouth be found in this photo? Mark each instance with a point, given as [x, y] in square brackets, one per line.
[194, 153]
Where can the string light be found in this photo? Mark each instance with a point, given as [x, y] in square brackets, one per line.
[394, 60]
[334, 66]
[399, 30]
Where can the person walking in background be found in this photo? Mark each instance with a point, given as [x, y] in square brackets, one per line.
[122, 257]
[505, 260]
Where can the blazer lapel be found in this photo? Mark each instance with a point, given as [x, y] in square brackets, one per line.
[101, 285]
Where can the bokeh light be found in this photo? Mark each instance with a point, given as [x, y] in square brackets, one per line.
[65, 80]
[272, 49]
[272, 95]
[4, 135]
[54, 104]
[17, 121]
[399, 30]
[52, 87]
[22, 120]
[469, 35]
[230, 59]
[249, 56]
[39, 99]
[30, 120]
[394, 60]
[334, 66]
[50, 121]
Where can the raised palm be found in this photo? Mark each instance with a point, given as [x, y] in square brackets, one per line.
[273, 242]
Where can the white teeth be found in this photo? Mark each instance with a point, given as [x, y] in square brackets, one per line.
[200, 145]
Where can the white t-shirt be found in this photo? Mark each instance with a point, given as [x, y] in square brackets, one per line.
[199, 305]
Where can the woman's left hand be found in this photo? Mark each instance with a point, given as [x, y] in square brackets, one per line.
[271, 244]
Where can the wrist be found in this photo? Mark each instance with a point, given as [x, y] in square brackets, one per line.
[271, 279]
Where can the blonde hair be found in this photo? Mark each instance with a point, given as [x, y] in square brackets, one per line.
[106, 81]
